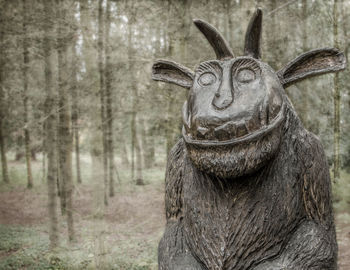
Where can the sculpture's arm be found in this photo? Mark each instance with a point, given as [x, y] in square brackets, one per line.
[173, 252]
[174, 182]
[317, 184]
[312, 245]
[309, 248]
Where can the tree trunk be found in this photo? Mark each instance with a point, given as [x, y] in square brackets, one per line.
[102, 98]
[305, 100]
[25, 95]
[271, 39]
[109, 101]
[44, 153]
[76, 138]
[133, 140]
[64, 132]
[178, 36]
[50, 123]
[75, 111]
[135, 143]
[147, 145]
[228, 26]
[5, 175]
[138, 148]
[336, 98]
[124, 157]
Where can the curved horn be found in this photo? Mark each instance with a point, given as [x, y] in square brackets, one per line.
[216, 40]
[253, 35]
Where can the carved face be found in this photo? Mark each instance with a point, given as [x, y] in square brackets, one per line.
[232, 118]
[230, 100]
[233, 115]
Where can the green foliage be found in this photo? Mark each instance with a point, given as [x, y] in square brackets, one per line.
[28, 247]
[25, 248]
[18, 176]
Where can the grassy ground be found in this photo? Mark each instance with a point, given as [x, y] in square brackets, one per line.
[123, 235]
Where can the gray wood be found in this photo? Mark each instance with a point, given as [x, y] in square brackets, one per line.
[247, 186]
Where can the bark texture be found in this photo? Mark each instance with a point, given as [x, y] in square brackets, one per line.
[50, 124]
[74, 90]
[25, 95]
[4, 169]
[100, 48]
[64, 120]
[248, 187]
[109, 111]
[279, 217]
[336, 100]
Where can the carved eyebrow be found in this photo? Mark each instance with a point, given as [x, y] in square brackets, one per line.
[207, 66]
[245, 63]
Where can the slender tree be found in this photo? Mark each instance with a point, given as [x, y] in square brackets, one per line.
[228, 26]
[64, 36]
[5, 175]
[336, 99]
[109, 101]
[123, 144]
[305, 106]
[148, 142]
[25, 94]
[178, 34]
[138, 148]
[100, 48]
[136, 155]
[132, 84]
[50, 122]
[75, 107]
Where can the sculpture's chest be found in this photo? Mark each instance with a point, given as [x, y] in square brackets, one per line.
[228, 224]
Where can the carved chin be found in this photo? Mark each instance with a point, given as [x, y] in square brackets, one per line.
[234, 160]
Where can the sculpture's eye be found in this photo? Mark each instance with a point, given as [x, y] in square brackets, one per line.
[207, 78]
[245, 75]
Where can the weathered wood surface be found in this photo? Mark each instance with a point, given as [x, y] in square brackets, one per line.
[247, 187]
[279, 217]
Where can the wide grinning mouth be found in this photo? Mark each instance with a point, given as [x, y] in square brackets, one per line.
[264, 130]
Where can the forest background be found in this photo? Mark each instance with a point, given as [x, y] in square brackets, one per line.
[85, 132]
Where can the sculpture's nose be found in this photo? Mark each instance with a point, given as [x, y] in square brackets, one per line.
[224, 95]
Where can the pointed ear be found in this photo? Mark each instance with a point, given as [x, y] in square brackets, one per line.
[171, 72]
[312, 63]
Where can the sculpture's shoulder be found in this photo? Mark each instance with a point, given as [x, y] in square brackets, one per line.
[176, 155]
[174, 181]
[316, 180]
[310, 150]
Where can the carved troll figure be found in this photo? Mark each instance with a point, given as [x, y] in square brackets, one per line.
[247, 187]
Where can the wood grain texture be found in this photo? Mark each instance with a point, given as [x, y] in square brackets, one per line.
[278, 217]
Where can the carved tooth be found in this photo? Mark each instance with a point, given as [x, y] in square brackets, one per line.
[201, 132]
[221, 134]
[275, 106]
[225, 132]
[274, 110]
[248, 126]
[232, 129]
[262, 116]
[267, 115]
[253, 123]
[241, 129]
